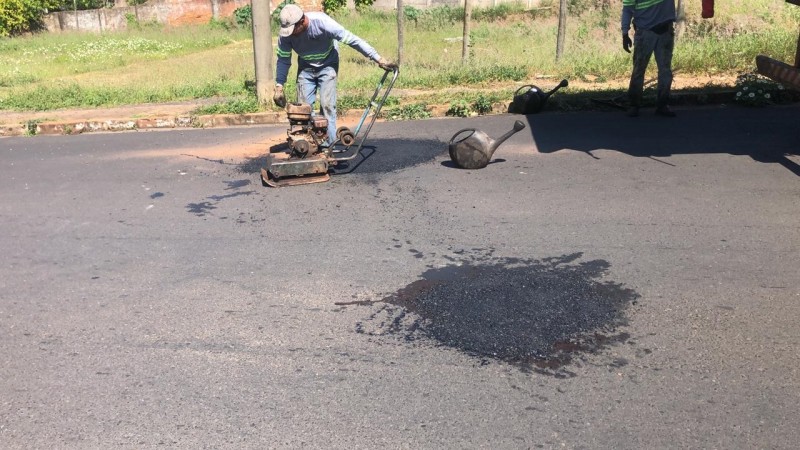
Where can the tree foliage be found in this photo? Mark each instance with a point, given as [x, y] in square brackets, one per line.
[20, 16]
[363, 4]
[331, 6]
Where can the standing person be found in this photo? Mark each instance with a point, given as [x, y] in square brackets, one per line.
[315, 37]
[654, 32]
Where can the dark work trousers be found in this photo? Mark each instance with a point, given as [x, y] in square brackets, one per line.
[645, 44]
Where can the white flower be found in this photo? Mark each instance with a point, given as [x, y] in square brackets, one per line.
[767, 96]
[752, 95]
[744, 88]
[738, 94]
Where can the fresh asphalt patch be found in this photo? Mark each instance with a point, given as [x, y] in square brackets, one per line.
[538, 315]
[375, 157]
[389, 155]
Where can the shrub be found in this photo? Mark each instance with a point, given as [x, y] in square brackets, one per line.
[20, 16]
[226, 23]
[458, 109]
[363, 4]
[243, 16]
[482, 105]
[331, 6]
[131, 21]
[411, 14]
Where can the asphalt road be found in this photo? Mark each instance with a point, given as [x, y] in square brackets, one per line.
[605, 282]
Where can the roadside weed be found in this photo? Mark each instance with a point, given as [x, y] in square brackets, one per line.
[755, 90]
[407, 112]
[459, 109]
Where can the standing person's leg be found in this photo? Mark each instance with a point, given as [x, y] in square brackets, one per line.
[663, 52]
[327, 99]
[644, 42]
[307, 86]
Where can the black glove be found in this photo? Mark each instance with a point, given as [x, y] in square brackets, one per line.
[387, 65]
[279, 98]
[626, 43]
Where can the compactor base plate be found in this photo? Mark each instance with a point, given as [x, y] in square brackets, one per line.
[281, 170]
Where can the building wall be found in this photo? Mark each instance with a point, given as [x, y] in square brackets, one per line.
[170, 12]
[423, 4]
[183, 12]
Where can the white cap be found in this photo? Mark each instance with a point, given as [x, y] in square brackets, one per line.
[291, 14]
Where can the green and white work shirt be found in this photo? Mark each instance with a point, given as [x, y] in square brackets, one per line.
[646, 14]
[318, 46]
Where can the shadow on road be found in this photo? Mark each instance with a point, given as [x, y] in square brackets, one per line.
[767, 135]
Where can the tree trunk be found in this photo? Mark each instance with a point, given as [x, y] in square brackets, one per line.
[215, 9]
[562, 29]
[262, 51]
[401, 19]
[465, 39]
[680, 23]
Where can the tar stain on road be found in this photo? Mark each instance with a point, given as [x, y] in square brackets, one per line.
[539, 315]
[206, 207]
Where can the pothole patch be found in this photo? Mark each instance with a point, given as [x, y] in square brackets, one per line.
[539, 315]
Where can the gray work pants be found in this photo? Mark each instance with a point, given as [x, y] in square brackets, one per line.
[645, 44]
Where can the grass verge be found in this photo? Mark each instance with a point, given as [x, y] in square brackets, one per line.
[509, 47]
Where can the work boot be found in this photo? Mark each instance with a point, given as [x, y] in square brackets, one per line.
[665, 111]
[633, 111]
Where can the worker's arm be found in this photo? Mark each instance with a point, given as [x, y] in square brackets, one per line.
[338, 32]
[627, 15]
[284, 56]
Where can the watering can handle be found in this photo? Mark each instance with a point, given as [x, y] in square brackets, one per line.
[521, 88]
[471, 130]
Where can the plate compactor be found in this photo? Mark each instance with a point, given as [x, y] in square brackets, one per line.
[306, 158]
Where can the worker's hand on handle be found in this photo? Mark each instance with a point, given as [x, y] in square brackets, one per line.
[386, 65]
[626, 43]
[279, 98]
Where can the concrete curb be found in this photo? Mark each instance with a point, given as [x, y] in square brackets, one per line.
[232, 120]
[183, 121]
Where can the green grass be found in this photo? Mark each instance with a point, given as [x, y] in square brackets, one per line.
[509, 47]
[239, 105]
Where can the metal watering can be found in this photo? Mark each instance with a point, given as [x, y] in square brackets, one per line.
[473, 149]
[529, 99]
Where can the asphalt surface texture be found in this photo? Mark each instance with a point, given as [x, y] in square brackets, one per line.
[605, 282]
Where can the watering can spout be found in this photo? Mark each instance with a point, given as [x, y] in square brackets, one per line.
[563, 83]
[496, 143]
